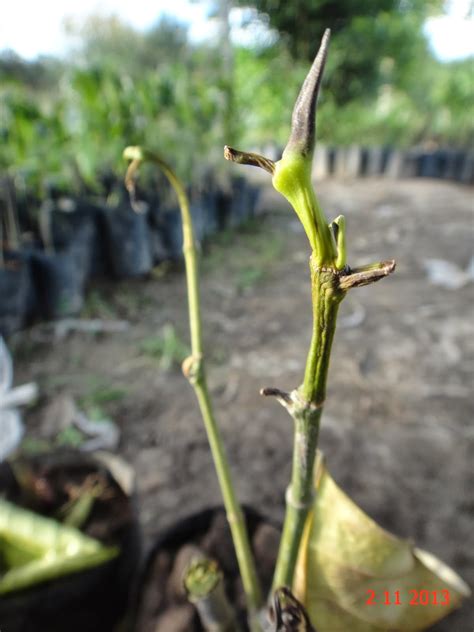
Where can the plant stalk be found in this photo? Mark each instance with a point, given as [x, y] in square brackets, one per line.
[306, 409]
[194, 370]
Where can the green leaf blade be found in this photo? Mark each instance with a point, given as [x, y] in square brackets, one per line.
[35, 549]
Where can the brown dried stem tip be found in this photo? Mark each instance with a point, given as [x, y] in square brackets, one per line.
[248, 158]
[303, 120]
[282, 396]
[365, 275]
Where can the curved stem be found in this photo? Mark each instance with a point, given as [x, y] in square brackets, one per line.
[194, 370]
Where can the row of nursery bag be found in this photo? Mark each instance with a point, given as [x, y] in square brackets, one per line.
[418, 162]
[45, 277]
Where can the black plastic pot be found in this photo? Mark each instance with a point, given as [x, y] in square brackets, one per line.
[252, 197]
[60, 279]
[223, 209]
[171, 230]
[467, 173]
[375, 161]
[198, 217]
[93, 600]
[158, 249]
[157, 245]
[331, 159]
[364, 161]
[16, 292]
[166, 229]
[429, 165]
[87, 220]
[128, 241]
[452, 164]
[191, 530]
[236, 205]
[209, 206]
[385, 158]
[204, 209]
[411, 166]
[239, 210]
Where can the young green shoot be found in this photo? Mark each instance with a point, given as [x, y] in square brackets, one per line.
[331, 278]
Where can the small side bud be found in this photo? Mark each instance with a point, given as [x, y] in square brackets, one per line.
[191, 368]
[338, 227]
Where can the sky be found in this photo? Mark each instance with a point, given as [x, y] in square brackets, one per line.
[32, 28]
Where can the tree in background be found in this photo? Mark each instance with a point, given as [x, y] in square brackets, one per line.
[108, 41]
[65, 120]
[365, 33]
[151, 87]
[384, 86]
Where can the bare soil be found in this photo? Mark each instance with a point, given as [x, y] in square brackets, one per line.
[397, 429]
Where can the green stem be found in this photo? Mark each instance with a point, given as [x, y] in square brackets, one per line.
[234, 512]
[306, 410]
[326, 298]
[194, 370]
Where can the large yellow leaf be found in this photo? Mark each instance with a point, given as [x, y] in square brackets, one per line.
[349, 567]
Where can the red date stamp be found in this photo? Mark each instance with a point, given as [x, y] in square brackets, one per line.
[412, 597]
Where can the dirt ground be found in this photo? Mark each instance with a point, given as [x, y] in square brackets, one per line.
[397, 429]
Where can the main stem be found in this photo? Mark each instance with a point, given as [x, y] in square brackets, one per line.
[306, 411]
[195, 371]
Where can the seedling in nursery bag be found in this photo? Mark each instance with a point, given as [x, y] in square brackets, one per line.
[335, 568]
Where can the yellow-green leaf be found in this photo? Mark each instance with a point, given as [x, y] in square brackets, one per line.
[349, 568]
[35, 549]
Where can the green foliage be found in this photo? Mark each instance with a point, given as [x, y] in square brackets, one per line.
[450, 106]
[303, 21]
[33, 446]
[35, 549]
[107, 41]
[69, 437]
[40, 75]
[266, 82]
[420, 100]
[152, 88]
[66, 122]
[166, 347]
[97, 305]
[383, 86]
[249, 277]
[101, 395]
[372, 53]
[32, 133]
